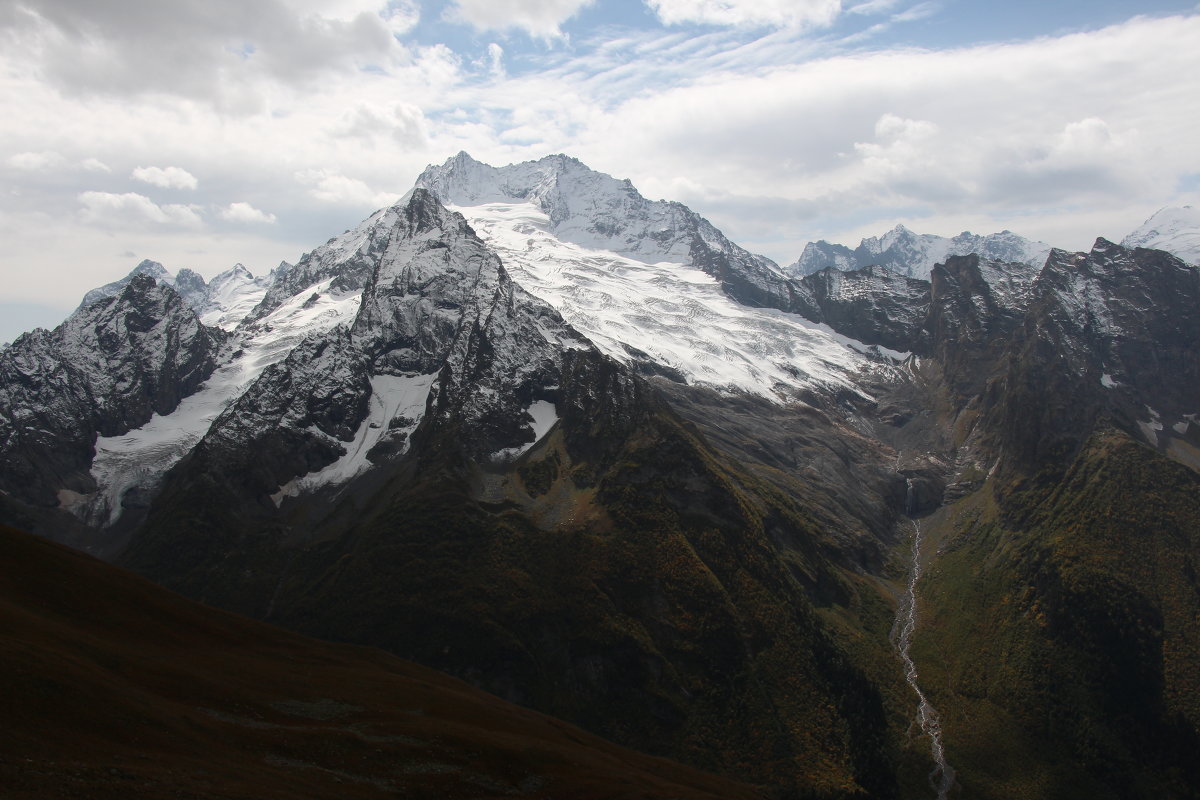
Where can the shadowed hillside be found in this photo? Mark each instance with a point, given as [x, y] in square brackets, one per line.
[115, 688]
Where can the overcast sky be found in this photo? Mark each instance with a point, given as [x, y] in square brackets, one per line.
[201, 133]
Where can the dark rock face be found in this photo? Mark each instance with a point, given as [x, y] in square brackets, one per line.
[191, 288]
[873, 305]
[1115, 333]
[293, 419]
[107, 369]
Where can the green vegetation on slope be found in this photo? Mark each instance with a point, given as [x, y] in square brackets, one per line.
[1060, 637]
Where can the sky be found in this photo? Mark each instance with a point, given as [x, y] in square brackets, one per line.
[204, 133]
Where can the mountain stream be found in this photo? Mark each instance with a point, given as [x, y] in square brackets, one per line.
[941, 778]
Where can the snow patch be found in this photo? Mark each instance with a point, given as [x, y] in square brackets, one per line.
[1107, 381]
[544, 414]
[1176, 230]
[397, 405]
[1152, 428]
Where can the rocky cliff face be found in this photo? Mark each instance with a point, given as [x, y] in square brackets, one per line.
[873, 305]
[1108, 333]
[107, 369]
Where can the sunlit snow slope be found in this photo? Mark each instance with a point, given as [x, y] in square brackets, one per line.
[675, 314]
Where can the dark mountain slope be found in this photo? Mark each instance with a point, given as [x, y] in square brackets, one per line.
[1062, 642]
[116, 688]
[618, 575]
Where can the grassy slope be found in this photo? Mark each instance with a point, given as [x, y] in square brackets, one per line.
[115, 688]
[1061, 630]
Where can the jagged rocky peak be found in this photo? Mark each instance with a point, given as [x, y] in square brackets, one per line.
[191, 287]
[433, 271]
[440, 301]
[584, 206]
[346, 261]
[440, 325]
[1174, 229]
[146, 267]
[106, 369]
[1131, 317]
[230, 296]
[914, 254]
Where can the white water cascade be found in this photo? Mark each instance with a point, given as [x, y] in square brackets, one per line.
[941, 778]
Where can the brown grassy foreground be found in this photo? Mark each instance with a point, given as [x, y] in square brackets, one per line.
[115, 688]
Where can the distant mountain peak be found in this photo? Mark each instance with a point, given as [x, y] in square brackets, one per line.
[1175, 229]
[147, 267]
[913, 254]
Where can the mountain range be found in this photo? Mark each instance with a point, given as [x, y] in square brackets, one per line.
[911, 521]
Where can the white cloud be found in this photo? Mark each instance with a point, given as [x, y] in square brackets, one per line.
[402, 15]
[779, 13]
[165, 177]
[132, 209]
[540, 18]
[34, 162]
[331, 187]
[95, 165]
[495, 60]
[223, 52]
[1002, 130]
[918, 12]
[397, 123]
[873, 7]
[244, 212]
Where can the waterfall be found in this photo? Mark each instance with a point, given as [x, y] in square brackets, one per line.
[941, 778]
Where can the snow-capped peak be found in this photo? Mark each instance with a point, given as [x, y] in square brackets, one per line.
[230, 296]
[1174, 229]
[914, 254]
[146, 267]
[585, 207]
